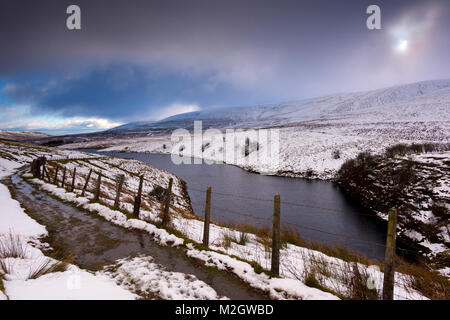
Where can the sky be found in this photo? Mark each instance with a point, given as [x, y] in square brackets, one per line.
[145, 60]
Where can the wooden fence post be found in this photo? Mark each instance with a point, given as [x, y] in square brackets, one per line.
[207, 217]
[120, 179]
[43, 172]
[34, 168]
[389, 260]
[46, 174]
[276, 236]
[165, 218]
[73, 179]
[97, 189]
[36, 165]
[63, 178]
[55, 179]
[86, 183]
[43, 161]
[39, 170]
[137, 199]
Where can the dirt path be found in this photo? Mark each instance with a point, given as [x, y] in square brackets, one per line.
[93, 242]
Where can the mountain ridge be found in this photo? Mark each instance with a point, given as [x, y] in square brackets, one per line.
[429, 94]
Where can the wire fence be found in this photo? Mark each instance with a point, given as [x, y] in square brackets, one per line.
[289, 203]
[297, 225]
[225, 211]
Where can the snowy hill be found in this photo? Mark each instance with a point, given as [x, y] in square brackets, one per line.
[22, 135]
[316, 135]
[428, 100]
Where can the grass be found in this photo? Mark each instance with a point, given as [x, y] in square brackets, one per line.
[345, 280]
[428, 282]
[12, 247]
[243, 238]
[201, 247]
[232, 236]
[5, 267]
[293, 237]
[2, 288]
[358, 284]
[45, 266]
[355, 280]
[311, 281]
[227, 238]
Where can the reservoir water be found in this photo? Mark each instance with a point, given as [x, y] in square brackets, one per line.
[318, 210]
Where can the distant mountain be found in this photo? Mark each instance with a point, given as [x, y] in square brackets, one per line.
[422, 101]
[22, 135]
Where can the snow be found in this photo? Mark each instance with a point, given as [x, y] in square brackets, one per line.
[143, 275]
[294, 262]
[317, 136]
[303, 148]
[71, 284]
[160, 235]
[74, 284]
[14, 219]
[7, 167]
[416, 101]
[310, 131]
[277, 288]
[431, 187]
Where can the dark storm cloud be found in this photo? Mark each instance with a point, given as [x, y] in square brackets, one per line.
[112, 91]
[148, 54]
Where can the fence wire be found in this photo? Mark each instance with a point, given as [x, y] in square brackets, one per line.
[223, 210]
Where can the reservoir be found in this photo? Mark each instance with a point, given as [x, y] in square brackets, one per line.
[317, 209]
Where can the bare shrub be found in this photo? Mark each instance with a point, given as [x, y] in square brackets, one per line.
[396, 150]
[227, 238]
[402, 149]
[309, 173]
[440, 211]
[205, 146]
[158, 192]
[243, 238]
[336, 154]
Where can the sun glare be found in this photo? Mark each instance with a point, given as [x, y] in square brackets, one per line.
[402, 46]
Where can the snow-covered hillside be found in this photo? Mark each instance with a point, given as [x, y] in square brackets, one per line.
[417, 184]
[422, 101]
[316, 136]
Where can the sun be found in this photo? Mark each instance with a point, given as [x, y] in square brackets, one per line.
[402, 46]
